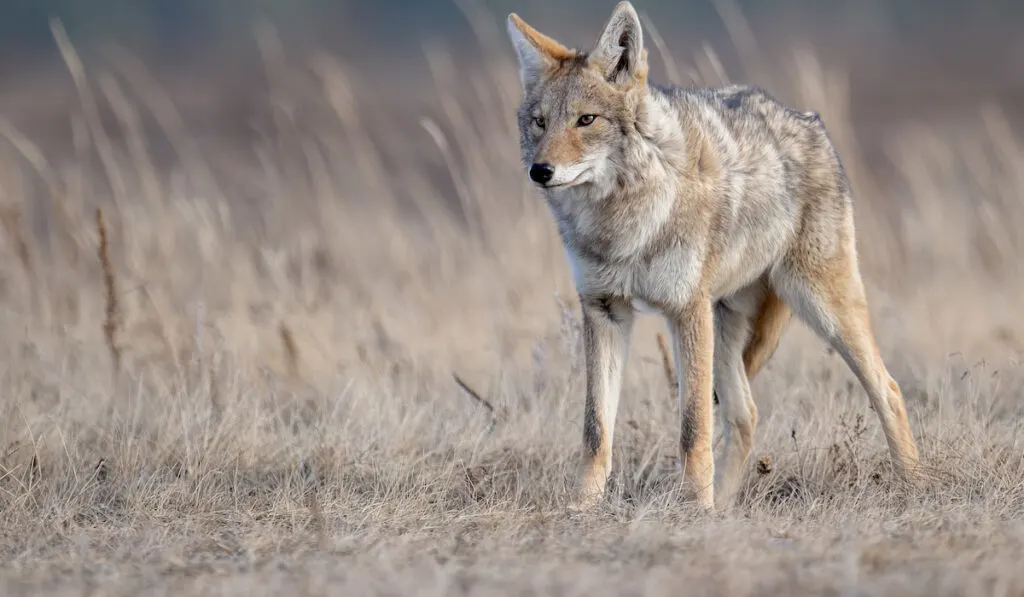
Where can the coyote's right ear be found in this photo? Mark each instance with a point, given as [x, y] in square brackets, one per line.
[537, 52]
[619, 52]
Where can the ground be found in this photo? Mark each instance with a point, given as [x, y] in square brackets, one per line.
[239, 377]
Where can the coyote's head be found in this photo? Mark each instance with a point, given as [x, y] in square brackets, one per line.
[579, 108]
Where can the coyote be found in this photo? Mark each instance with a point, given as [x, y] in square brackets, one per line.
[719, 209]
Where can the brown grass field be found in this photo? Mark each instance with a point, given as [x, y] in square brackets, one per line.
[230, 367]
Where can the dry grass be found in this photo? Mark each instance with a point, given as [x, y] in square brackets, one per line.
[336, 360]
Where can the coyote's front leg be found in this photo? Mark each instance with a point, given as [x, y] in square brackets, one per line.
[693, 331]
[607, 324]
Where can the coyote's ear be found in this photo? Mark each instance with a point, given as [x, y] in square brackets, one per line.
[537, 52]
[619, 53]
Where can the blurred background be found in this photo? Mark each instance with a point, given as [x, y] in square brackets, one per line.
[909, 58]
[322, 165]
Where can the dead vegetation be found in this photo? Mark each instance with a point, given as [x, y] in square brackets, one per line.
[324, 369]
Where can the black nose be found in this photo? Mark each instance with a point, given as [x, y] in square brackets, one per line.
[541, 173]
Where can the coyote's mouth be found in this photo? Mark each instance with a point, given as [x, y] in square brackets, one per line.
[572, 182]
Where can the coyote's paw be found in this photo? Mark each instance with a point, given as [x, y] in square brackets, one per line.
[589, 492]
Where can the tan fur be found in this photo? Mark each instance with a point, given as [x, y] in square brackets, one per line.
[720, 209]
[543, 43]
[772, 317]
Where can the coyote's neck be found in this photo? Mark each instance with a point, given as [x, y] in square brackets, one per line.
[680, 141]
[656, 148]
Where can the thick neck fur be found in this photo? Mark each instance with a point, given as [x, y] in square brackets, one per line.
[619, 214]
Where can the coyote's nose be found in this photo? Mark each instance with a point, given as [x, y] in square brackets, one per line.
[541, 173]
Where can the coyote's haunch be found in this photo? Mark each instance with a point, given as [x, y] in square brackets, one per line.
[721, 210]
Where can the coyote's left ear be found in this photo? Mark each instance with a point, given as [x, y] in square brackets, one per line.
[536, 51]
[619, 53]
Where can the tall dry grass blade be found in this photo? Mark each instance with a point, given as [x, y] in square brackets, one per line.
[31, 152]
[162, 320]
[58, 189]
[101, 140]
[16, 230]
[744, 40]
[474, 394]
[168, 118]
[13, 224]
[199, 332]
[711, 70]
[282, 81]
[666, 363]
[317, 519]
[216, 395]
[490, 38]
[128, 115]
[496, 103]
[291, 349]
[468, 206]
[340, 94]
[112, 311]
[671, 70]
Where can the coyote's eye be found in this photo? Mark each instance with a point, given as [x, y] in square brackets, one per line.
[586, 120]
[539, 121]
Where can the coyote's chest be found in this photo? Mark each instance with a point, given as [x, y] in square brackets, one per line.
[618, 248]
[651, 283]
[615, 228]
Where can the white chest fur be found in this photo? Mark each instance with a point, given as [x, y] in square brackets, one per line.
[668, 279]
